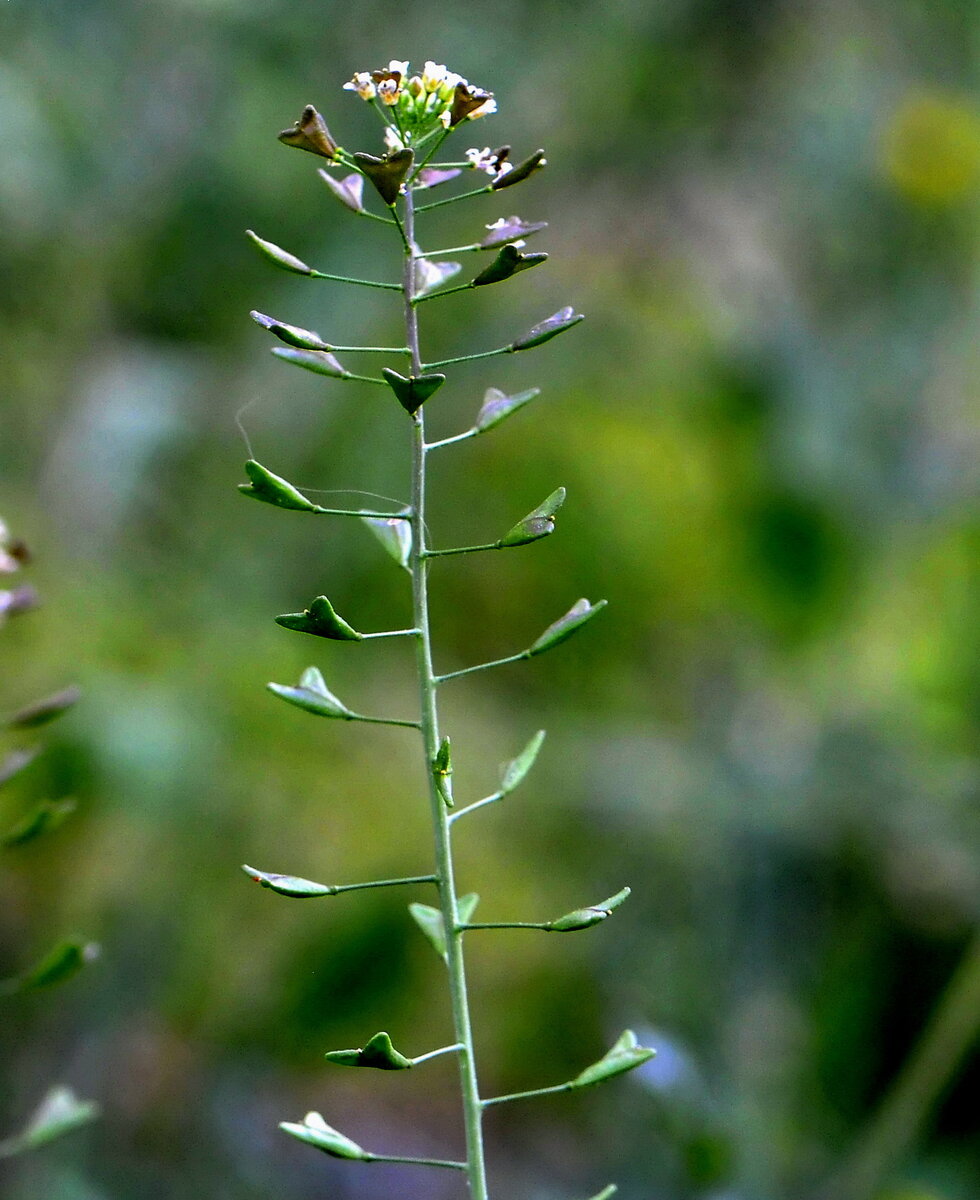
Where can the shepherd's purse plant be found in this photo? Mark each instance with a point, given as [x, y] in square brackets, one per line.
[419, 113]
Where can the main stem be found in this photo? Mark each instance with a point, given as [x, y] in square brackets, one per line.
[472, 1104]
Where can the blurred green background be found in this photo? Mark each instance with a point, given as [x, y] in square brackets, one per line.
[768, 431]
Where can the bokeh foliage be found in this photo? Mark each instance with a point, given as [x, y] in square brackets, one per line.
[768, 432]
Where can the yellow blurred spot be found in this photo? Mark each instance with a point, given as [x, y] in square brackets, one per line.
[931, 149]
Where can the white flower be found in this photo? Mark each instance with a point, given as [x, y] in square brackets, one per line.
[485, 160]
[388, 90]
[398, 68]
[433, 75]
[392, 140]
[363, 84]
[486, 108]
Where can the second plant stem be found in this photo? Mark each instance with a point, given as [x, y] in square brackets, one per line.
[472, 1104]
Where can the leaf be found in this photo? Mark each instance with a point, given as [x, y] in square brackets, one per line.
[349, 190]
[580, 612]
[429, 920]
[321, 620]
[276, 254]
[289, 885]
[497, 406]
[550, 327]
[510, 261]
[626, 1054]
[585, 918]
[43, 711]
[537, 524]
[59, 1113]
[378, 1053]
[320, 362]
[312, 695]
[292, 335]
[273, 489]
[518, 767]
[316, 1132]
[395, 534]
[41, 819]
[510, 229]
[60, 963]
[412, 392]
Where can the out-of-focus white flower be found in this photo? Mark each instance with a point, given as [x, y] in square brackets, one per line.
[363, 84]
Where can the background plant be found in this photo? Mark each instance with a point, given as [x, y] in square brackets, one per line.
[60, 1110]
[780, 276]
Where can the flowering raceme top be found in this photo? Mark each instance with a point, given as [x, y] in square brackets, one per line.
[420, 103]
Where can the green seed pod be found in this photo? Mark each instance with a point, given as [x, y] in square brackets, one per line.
[497, 406]
[289, 885]
[510, 261]
[273, 489]
[585, 918]
[412, 392]
[378, 1053]
[521, 172]
[321, 620]
[580, 612]
[43, 711]
[316, 1132]
[626, 1054]
[536, 524]
[312, 695]
[550, 327]
[41, 819]
[276, 254]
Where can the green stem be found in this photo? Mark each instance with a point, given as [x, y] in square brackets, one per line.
[449, 250]
[497, 662]
[421, 1058]
[443, 134]
[453, 199]
[448, 362]
[450, 441]
[461, 812]
[337, 888]
[463, 549]
[382, 721]
[369, 350]
[364, 378]
[388, 287]
[471, 1102]
[415, 1162]
[545, 925]
[462, 287]
[545, 1091]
